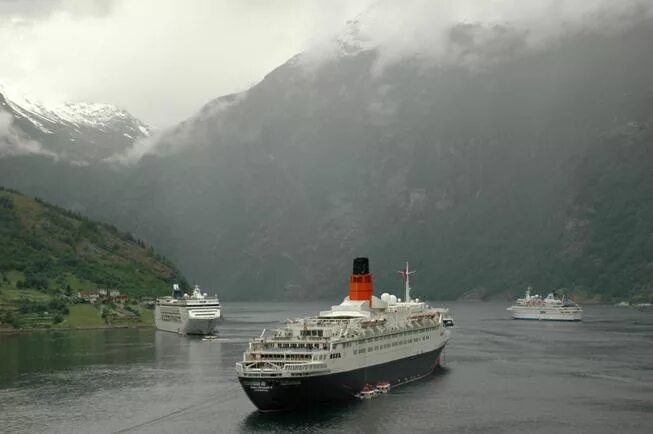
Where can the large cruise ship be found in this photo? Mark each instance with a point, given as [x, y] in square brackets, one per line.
[363, 345]
[195, 314]
[549, 308]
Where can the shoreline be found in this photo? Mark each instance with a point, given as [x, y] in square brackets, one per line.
[69, 329]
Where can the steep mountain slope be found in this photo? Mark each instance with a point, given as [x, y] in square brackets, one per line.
[46, 248]
[474, 175]
[505, 168]
[608, 241]
[80, 133]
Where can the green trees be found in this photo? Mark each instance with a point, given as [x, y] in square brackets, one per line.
[59, 252]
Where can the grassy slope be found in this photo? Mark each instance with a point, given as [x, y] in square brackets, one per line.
[83, 316]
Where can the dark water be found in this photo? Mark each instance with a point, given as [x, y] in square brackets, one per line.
[501, 376]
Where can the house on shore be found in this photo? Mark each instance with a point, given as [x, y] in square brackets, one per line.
[94, 296]
[91, 296]
[120, 298]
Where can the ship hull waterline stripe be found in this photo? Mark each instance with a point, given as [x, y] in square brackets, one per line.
[271, 394]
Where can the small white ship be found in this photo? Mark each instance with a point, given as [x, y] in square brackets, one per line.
[195, 314]
[360, 348]
[549, 308]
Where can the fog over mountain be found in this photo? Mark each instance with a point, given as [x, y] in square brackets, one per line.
[493, 146]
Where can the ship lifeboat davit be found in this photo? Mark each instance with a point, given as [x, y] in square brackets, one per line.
[361, 286]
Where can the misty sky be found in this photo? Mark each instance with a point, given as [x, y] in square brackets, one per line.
[163, 59]
[159, 59]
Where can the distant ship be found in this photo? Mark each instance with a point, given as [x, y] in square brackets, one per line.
[197, 314]
[356, 350]
[549, 308]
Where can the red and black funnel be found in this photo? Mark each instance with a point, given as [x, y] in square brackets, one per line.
[361, 286]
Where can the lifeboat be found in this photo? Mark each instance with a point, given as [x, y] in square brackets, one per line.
[368, 392]
[383, 387]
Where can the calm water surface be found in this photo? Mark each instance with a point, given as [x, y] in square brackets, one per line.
[501, 376]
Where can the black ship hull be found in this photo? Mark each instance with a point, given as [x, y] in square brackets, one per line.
[280, 394]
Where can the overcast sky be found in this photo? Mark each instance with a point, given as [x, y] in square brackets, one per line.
[159, 59]
[163, 59]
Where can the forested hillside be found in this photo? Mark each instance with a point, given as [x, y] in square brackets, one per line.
[48, 255]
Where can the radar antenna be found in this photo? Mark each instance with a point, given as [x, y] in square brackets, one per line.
[406, 273]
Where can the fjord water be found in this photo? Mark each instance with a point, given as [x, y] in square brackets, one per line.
[501, 376]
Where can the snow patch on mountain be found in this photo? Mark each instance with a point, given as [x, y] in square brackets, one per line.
[80, 114]
[78, 132]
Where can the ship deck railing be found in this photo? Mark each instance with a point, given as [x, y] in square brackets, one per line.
[277, 356]
[323, 322]
[290, 350]
[298, 338]
[271, 369]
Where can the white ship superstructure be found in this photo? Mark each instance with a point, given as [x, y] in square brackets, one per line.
[195, 314]
[363, 343]
[550, 308]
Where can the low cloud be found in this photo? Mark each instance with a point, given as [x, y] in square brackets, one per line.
[205, 124]
[13, 144]
[140, 148]
[442, 32]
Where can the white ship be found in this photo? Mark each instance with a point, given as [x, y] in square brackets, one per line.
[549, 308]
[195, 314]
[360, 348]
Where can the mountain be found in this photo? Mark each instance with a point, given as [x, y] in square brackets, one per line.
[499, 164]
[52, 250]
[479, 177]
[78, 133]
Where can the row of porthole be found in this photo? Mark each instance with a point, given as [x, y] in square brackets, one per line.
[393, 344]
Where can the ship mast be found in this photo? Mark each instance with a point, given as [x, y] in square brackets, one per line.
[406, 273]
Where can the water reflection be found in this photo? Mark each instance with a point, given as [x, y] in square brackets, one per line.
[318, 419]
[43, 352]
